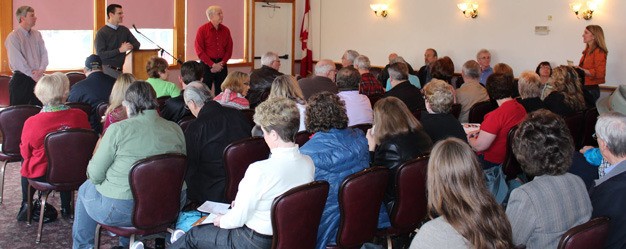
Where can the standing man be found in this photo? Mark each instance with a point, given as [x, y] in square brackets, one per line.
[430, 56]
[214, 47]
[113, 41]
[28, 58]
[484, 59]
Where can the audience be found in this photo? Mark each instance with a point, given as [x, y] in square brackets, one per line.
[424, 74]
[464, 214]
[234, 90]
[52, 91]
[369, 85]
[384, 75]
[402, 89]
[437, 120]
[607, 196]
[337, 152]
[158, 73]
[175, 109]
[323, 80]
[395, 137]
[116, 111]
[347, 59]
[566, 97]
[542, 210]
[358, 106]
[261, 78]
[484, 59]
[414, 80]
[214, 128]
[529, 87]
[106, 197]
[248, 223]
[544, 70]
[286, 86]
[471, 92]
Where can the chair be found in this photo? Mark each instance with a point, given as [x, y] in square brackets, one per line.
[363, 127]
[410, 208]
[11, 124]
[302, 137]
[575, 124]
[360, 199]
[4, 90]
[102, 108]
[82, 106]
[249, 113]
[155, 183]
[511, 167]
[161, 100]
[455, 110]
[75, 77]
[237, 157]
[417, 114]
[64, 173]
[589, 128]
[185, 121]
[375, 98]
[296, 216]
[591, 234]
[478, 111]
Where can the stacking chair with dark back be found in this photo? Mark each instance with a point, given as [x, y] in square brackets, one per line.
[360, 198]
[478, 111]
[455, 110]
[75, 77]
[411, 206]
[302, 137]
[68, 153]
[11, 124]
[161, 100]
[249, 113]
[296, 216]
[102, 108]
[363, 127]
[156, 184]
[185, 121]
[511, 167]
[237, 157]
[589, 128]
[82, 106]
[591, 234]
[575, 123]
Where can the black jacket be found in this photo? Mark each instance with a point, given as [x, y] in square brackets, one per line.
[174, 109]
[260, 84]
[441, 126]
[207, 137]
[409, 94]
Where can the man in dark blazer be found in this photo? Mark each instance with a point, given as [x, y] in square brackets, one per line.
[608, 196]
[403, 89]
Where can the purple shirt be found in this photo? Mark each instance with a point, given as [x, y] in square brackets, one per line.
[26, 50]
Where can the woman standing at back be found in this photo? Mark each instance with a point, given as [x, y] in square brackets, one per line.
[593, 61]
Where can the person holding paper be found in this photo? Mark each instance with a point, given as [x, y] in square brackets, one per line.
[248, 223]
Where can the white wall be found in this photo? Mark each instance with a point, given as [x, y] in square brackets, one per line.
[505, 27]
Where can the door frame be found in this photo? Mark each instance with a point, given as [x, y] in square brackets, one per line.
[293, 28]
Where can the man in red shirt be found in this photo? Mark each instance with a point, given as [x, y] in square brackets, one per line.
[214, 47]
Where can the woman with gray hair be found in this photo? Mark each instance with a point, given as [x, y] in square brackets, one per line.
[438, 122]
[529, 86]
[106, 197]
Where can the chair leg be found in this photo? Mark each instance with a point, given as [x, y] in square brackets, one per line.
[41, 215]
[389, 242]
[29, 211]
[96, 240]
[132, 239]
[2, 180]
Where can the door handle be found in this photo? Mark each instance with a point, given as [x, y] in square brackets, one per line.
[284, 57]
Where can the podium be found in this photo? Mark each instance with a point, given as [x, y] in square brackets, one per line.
[135, 62]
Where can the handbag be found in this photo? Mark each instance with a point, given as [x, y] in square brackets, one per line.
[50, 213]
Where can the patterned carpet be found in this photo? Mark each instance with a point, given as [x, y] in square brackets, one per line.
[18, 235]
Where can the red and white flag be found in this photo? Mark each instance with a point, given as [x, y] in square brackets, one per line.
[306, 63]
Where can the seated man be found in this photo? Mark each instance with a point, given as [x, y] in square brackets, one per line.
[403, 89]
[347, 59]
[93, 90]
[248, 224]
[358, 106]
[369, 84]
[215, 128]
[175, 108]
[471, 92]
[323, 80]
[261, 79]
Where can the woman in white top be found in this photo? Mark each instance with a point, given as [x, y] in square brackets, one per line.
[248, 223]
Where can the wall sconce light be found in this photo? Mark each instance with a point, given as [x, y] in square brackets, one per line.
[586, 14]
[469, 9]
[379, 8]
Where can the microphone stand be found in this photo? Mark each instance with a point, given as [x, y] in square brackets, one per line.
[162, 49]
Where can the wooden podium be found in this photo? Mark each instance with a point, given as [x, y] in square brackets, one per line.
[136, 61]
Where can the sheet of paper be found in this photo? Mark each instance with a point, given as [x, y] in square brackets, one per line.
[214, 207]
[209, 219]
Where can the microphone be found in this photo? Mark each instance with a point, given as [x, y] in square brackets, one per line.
[135, 27]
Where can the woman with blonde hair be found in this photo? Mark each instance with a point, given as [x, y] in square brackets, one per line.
[529, 86]
[235, 88]
[567, 96]
[116, 112]
[395, 137]
[287, 86]
[158, 73]
[593, 61]
[467, 214]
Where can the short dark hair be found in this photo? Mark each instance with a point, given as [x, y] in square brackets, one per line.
[139, 97]
[191, 71]
[544, 63]
[543, 144]
[398, 71]
[442, 69]
[500, 86]
[348, 78]
[325, 111]
[111, 8]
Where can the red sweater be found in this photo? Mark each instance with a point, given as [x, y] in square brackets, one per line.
[213, 43]
[35, 130]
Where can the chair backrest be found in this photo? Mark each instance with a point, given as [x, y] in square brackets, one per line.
[161, 100]
[411, 207]
[4, 90]
[511, 166]
[417, 114]
[11, 124]
[590, 117]
[478, 111]
[185, 121]
[237, 157]
[363, 127]
[375, 98]
[249, 113]
[82, 106]
[156, 183]
[591, 234]
[575, 124]
[68, 153]
[296, 216]
[75, 77]
[102, 108]
[455, 110]
[360, 199]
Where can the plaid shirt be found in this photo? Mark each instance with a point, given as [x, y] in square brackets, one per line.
[370, 85]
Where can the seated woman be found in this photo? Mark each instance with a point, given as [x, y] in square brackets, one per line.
[542, 210]
[544, 70]
[235, 88]
[490, 140]
[566, 97]
[51, 90]
[106, 197]
[248, 224]
[158, 73]
[437, 121]
[116, 112]
[442, 69]
[396, 137]
[529, 86]
[286, 86]
[337, 152]
[464, 214]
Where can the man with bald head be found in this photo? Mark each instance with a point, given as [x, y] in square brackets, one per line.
[323, 80]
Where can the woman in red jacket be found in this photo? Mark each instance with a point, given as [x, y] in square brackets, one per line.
[593, 61]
